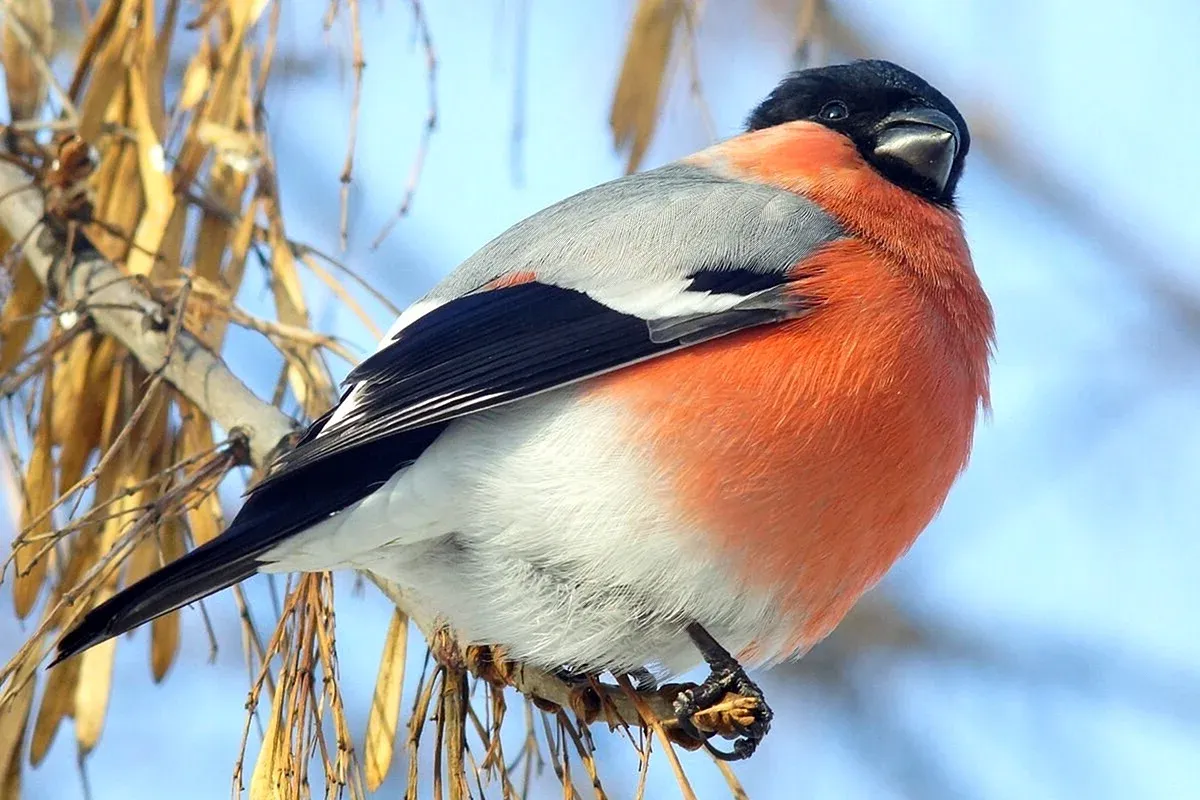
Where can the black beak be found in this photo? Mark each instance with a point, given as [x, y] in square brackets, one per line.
[920, 141]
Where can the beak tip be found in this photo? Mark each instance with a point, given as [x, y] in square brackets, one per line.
[922, 145]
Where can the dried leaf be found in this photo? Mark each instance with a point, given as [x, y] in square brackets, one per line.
[23, 75]
[204, 517]
[243, 14]
[209, 260]
[85, 425]
[230, 85]
[92, 691]
[132, 466]
[241, 150]
[197, 76]
[385, 704]
[105, 88]
[10, 779]
[164, 644]
[156, 183]
[268, 781]
[160, 45]
[39, 494]
[635, 102]
[144, 559]
[309, 380]
[58, 701]
[119, 198]
[71, 387]
[164, 631]
[16, 318]
[96, 665]
[13, 723]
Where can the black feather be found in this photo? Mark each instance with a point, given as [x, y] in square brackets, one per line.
[728, 279]
[869, 90]
[269, 516]
[479, 352]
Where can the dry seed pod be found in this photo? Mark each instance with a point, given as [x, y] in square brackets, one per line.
[27, 23]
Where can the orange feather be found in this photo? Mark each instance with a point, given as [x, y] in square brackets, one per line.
[509, 279]
[817, 450]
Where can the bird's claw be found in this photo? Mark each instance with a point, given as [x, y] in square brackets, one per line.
[745, 722]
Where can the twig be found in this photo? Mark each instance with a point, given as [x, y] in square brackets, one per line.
[358, 63]
[653, 719]
[418, 165]
[95, 287]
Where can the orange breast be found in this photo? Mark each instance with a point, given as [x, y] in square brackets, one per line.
[813, 453]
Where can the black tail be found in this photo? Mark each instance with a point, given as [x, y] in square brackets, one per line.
[206, 570]
[274, 511]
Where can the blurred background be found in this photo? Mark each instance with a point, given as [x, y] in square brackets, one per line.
[1041, 639]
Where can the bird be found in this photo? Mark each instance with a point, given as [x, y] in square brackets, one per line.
[688, 415]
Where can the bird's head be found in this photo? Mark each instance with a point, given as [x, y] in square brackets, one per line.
[902, 126]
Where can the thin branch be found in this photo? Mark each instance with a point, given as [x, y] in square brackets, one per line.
[431, 115]
[88, 284]
[358, 64]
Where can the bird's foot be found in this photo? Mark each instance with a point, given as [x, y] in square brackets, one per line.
[727, 703]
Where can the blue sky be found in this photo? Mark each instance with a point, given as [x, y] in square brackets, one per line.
[1067, 551]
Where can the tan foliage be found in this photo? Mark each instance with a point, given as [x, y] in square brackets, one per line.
[121, 472]
[25, 47]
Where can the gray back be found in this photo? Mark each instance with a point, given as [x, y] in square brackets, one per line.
[652, 227]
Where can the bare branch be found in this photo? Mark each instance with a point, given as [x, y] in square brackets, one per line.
[88, 284]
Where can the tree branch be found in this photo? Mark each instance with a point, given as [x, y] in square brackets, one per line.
[87, 284]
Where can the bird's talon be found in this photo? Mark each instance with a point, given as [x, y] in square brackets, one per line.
[685, 707]
[738, 711]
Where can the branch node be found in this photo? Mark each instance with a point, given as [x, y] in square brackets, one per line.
[239, 445]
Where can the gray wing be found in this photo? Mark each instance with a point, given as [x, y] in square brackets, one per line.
[626, 271]
[634, 239]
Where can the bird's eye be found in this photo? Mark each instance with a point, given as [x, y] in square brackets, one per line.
[834, 111]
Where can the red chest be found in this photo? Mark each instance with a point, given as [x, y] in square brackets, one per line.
[814, 451]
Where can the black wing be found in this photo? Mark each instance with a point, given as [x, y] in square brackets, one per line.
[493, 347]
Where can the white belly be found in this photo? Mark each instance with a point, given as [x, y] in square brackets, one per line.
[541, 527]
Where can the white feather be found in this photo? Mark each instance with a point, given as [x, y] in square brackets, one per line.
[407, 317]
[663, 299]
[542, 526]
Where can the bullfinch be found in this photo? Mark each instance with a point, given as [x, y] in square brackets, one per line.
[692, 413]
